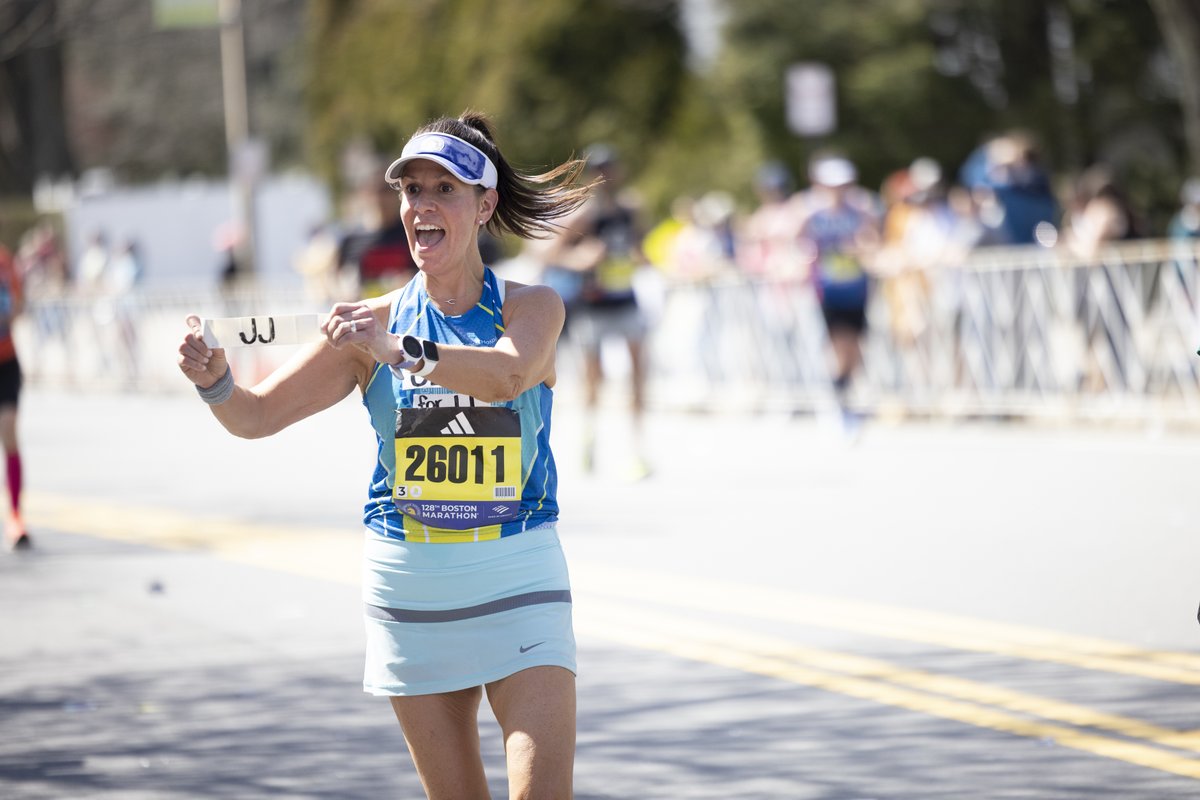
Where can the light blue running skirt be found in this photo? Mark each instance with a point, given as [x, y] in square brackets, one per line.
[443, 617]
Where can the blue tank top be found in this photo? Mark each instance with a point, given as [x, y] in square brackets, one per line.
[841, 279]
[445, 440]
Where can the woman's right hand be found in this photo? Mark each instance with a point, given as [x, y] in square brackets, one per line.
[356, 324]
[201, 364]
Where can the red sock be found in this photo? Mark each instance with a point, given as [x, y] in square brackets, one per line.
[13, 465]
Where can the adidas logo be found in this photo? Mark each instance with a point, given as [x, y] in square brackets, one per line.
[459, 425]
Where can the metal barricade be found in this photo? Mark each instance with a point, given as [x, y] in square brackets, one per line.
[1028, 332]
[129, 341]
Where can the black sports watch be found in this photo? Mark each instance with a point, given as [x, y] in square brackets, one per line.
[418, 349]
[411, 346]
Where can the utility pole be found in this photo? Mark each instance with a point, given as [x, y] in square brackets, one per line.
[243, 158]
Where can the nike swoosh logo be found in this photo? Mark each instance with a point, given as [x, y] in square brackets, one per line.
[527, 649]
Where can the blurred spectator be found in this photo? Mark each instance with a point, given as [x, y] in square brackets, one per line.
[317, 264]
[602, 243]
[771, 253]
[703, 245]
[227, 242]
[93, 262]
[41, 262]
[659, 243]
[766, 244]
[46, 279]
[378, 256]
[1099, 212]
[841, 230]
[1183, 229]
[1010, 169]
[126, 269]
[1185, 224]
[122, 278]
[699, 250]
[918, 228]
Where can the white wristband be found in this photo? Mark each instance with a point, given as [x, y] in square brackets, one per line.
[426, 368]
[403, 368]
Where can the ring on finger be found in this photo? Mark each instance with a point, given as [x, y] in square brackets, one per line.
[354, 326]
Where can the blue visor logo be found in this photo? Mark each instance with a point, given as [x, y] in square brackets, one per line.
[467, 162]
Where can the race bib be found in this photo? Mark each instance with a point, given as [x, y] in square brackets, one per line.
[458, 467]
[615, 275]
[841, 268]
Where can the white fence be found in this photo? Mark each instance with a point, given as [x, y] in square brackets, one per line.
[1029, 332]
[1021, 332]
[129, 342]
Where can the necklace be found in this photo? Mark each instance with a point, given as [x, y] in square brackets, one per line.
[450, 301]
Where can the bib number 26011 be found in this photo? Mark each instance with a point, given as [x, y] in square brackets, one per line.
[458, 467]
[456, 463]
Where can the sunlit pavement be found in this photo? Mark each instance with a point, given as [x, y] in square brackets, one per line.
[775, 612]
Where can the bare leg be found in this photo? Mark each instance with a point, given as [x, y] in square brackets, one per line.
[593, 379]
[442, 733]
[846, 351]
[637, 363]
[8, 428]
[536, 711]
[14, 532]
[848, 354]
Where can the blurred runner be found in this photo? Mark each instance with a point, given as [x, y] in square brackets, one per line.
[841, 230]
[603, 244]
[12, 302]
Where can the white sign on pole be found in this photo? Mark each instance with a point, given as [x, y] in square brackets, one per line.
[811, 99]
[250, 160]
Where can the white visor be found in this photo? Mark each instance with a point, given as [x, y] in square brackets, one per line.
[466, 161]
[834, 172]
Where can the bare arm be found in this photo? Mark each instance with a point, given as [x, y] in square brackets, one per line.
[314, 379]
[574, 247]
[522, 358]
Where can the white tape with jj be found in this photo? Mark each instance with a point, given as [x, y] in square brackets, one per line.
[262, 330]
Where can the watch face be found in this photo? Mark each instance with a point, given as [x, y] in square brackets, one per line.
[412, 347]
[431, 351]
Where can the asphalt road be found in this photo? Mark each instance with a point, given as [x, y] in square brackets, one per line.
[981, 611]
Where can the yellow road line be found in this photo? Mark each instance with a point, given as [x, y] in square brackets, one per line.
[968, 702]
[333, 555]
[324, 553]
[259, 543]
[943, 630]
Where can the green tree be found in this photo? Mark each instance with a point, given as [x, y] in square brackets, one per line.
[1094, 81]
[1179, 21]
[894, 103]
[33, 134]
[554, 76]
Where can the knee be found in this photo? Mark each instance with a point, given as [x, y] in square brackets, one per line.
[537, 773]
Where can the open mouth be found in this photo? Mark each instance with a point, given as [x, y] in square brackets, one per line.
[429, 235]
